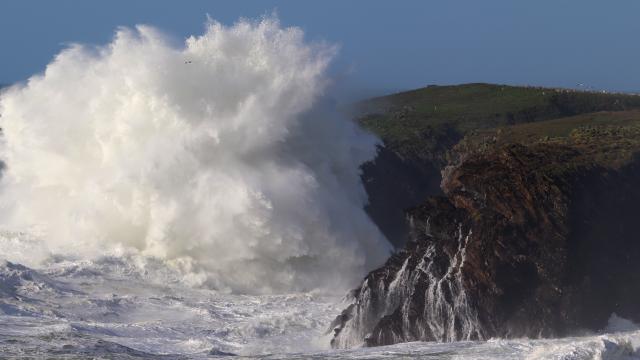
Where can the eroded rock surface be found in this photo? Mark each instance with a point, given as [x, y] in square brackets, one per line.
[528, 240]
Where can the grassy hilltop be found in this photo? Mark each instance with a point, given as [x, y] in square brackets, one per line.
[423, 124]
[427, 129]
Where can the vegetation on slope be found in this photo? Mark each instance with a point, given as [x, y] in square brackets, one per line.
[423, 124]
[608, 139]
[426, 129]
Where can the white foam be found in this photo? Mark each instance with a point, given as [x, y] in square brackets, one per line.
[210, 156]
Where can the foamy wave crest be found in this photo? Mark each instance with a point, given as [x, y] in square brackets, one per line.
[211, 156]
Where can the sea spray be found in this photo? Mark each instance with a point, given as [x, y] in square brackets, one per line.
[213, 156]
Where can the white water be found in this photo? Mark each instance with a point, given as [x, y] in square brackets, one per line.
[213, 156]
[115, 305]
[149, 185]
[135, 308]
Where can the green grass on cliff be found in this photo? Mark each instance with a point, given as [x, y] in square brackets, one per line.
[563, 127]
[603, 138]
[425, 123]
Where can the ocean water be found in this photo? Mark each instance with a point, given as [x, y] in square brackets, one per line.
[133, 308]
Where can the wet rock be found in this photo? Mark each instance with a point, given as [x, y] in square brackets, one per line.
[532, 241]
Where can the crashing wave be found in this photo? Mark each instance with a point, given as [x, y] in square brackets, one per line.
[215, 156]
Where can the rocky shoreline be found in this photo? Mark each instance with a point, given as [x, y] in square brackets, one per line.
[530, 238]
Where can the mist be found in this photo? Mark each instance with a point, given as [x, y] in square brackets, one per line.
[216, 156]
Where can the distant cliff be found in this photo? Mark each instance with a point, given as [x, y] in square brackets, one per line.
[534, 235]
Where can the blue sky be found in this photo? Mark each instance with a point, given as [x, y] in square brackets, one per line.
[384, 45]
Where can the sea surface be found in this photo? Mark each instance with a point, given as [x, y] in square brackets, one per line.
[128, 308]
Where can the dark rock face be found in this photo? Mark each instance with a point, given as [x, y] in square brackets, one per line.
[396, 181]
[527, 241]
[394, 184]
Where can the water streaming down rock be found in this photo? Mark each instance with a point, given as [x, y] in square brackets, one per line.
[422, 299]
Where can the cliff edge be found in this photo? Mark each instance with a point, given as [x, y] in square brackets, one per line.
[534, 236]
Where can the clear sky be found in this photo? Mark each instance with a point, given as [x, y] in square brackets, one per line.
[384, 45]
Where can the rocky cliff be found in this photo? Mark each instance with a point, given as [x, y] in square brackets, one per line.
[420, 127]
[534, 235]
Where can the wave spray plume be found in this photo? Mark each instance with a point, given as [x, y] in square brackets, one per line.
[209, 156]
